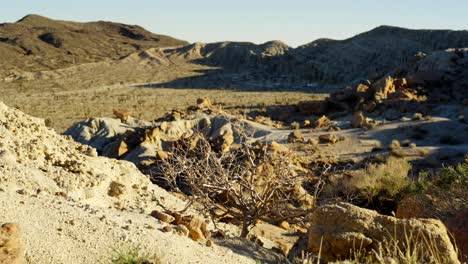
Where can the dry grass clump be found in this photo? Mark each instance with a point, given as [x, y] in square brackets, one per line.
[387, 179]
[248, 183]
[134, 256]
[376, 183]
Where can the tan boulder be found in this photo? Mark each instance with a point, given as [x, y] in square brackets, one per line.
[313, 107]
[162, 216]
[323, 121]
[295, 136]
[360, 121]
[383, 88]
[449, 208]
[277, 148]
[336, 228]
[197, 228]
[329, 138]
[11, 244]
[182, 230]
[121, 114]
[204, 102]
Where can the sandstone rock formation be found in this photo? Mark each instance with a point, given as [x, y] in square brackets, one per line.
[336, 229]
[143, 142]
[60, 166]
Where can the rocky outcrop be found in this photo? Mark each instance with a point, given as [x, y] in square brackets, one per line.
[146, 143]
[35, 159]
[11, 244]
[335, 229]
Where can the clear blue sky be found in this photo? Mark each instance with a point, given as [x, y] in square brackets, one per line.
[292, 21]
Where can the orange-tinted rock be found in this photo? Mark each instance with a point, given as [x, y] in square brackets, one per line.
[323, 121]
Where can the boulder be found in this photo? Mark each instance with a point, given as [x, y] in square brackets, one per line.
[360, 121]
[277, 148]
[336, 228]
[197, 228]
[204, 102]
[11, 244]
[323, 121]
[221, 135]
[295, 136]
[449, 208]
[383, 88]
[167, 218]
[329, 138]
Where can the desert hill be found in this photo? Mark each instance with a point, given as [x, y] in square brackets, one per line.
[366, 55]
[38, 43]
[373, 53]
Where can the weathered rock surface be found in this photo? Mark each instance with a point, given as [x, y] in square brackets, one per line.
[35, 159]
[11, 244]
[337, 228]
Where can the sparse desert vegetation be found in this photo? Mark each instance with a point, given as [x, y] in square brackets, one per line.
[148, 149]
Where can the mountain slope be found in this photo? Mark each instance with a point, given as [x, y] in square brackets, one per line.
[371, 53]
[39, 43]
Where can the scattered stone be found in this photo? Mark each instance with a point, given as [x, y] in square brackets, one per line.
[360, 121]
[121, 114]
[91, 152]
[295, 125]
[167, 229]
[278, 148]
[323, 121]
[209, 243]
[285, 225]
[328, 138]
[417, 116]
[11, 244]
[197, 229]
[204, 102]
[162, 216]
[336, 228]
[295, 136]
[182, 230]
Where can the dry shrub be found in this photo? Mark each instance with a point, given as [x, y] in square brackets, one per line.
[375, 183]
[388, 179]
[248, 182]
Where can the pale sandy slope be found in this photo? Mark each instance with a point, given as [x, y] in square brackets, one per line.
[60, 231]
[58, 191]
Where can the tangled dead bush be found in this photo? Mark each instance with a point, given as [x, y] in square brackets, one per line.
[248, 183]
